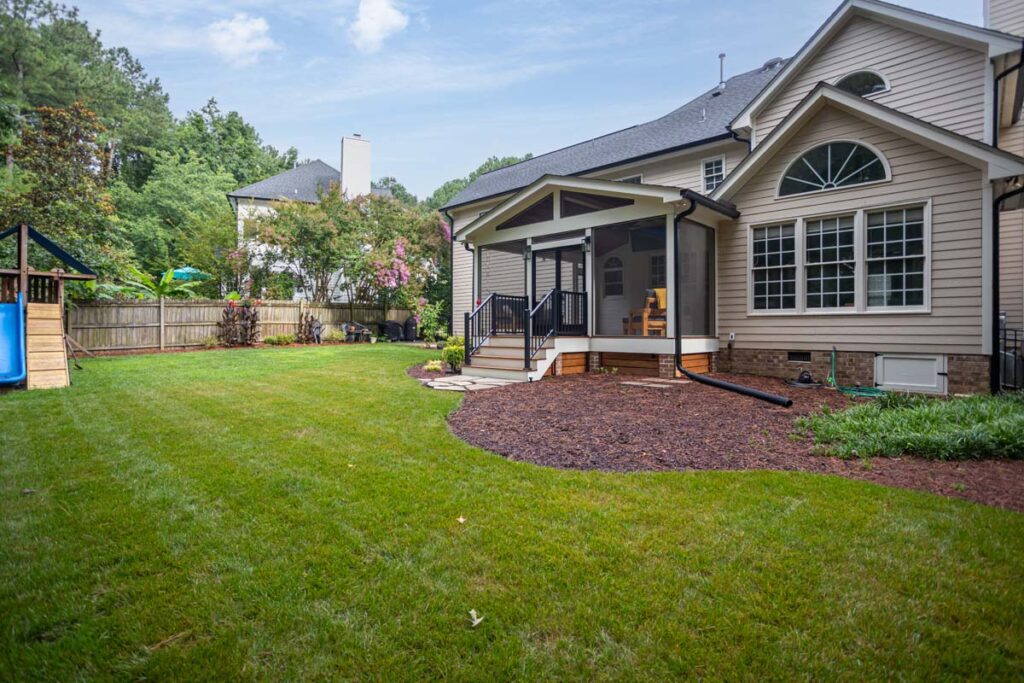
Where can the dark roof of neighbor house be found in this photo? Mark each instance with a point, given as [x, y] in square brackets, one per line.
[703, 119]
[302, 183]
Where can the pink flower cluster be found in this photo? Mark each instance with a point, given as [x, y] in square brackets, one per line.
[395, 274]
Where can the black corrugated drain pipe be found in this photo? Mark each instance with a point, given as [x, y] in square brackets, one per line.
[710, 381]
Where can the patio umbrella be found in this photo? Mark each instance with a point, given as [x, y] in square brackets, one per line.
[190, 273]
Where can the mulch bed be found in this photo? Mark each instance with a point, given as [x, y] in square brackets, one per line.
[418, 372]
[596, 422]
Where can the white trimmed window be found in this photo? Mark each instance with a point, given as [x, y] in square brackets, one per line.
[713, 172]
[612, 278]
[896, 257]
[774, 267]
[865, 261]
[832, 166]
[657, 271]
[830, 265]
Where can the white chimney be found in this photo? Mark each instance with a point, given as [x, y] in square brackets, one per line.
[355, 166]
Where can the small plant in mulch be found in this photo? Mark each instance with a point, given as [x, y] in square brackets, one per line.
[310, 329]
[433, 366]
[240, 323]
[454, 353]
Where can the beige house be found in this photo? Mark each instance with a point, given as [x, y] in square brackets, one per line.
[862, 196]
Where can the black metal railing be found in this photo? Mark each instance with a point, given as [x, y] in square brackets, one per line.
[1011, 358]
[558, 313]
[497, 314]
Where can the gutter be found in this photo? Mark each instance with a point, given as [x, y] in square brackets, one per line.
[995, 380]
[1018, 99]
[451, 272]
[702, 379]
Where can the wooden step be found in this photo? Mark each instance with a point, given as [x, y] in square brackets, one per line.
[506, 351]
[44, 326]
[48, 379]
[497, 373]
[487, 361]
[44, 312]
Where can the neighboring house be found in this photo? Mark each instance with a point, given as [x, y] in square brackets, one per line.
[843, 198]
[306, 183]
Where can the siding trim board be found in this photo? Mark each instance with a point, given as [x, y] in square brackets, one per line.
[991, 43]
[998, 163]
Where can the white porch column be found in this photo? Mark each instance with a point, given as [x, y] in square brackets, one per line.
[670, 274]
[591, 284]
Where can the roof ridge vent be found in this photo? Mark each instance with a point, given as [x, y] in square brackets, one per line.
[771, 63]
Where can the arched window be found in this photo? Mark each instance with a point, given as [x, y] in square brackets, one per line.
[831, 166]
[862, 83]
[613, 276]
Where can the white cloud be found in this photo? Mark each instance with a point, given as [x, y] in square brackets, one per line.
[241, 40]
[376, 20]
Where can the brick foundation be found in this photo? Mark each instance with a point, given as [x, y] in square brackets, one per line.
[594, 361]
[966, 374]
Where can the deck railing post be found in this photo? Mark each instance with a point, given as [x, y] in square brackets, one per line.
[527, 337]
[466, 340]
[558, 313]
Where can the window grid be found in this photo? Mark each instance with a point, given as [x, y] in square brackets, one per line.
[830, 262]
[774, 267]
[658, 275]
[895, 257]
[613, 277]
[714, 173]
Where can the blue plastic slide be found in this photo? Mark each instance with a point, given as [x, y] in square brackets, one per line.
[12, 343]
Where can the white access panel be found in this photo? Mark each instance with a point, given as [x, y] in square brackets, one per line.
[911, 372]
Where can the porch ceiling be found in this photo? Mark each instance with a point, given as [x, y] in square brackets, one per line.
[647, 199]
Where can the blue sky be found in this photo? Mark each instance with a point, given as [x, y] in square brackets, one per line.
[440, 86]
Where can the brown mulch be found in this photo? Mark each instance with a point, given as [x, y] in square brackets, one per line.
[418, 372]
[596, 422]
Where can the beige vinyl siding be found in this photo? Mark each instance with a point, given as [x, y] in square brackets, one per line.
[954, 324]
[1011, 266]
[462, 272]
[938, 82]
[1006, 16]
[683, 171]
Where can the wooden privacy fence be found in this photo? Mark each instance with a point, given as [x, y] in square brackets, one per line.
[177, 323]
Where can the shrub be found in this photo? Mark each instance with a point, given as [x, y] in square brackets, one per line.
[455, 341]
[431, 322]
[280, 340]
[240, 323]
[454, 356]
[941, 429]
[433, 366]
[335, 336]
[210, 342]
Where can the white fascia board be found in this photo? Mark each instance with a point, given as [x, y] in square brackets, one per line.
[994, 44]
[998, 163]
[549, 183]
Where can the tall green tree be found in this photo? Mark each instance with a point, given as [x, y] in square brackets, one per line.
[226, 142]
[447, 192]
[61, 188]
[180, 210]
[49, 57]
[398, 190]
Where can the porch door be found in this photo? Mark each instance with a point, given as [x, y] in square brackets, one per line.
[563, 268]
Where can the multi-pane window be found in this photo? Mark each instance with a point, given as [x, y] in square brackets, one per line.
[895, 257]
[657, 271]
[714, 173]
[831, 166]
[774, 267]
[613, 276]
[830, 262]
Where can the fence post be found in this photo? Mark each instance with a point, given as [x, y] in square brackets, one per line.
[160, 315]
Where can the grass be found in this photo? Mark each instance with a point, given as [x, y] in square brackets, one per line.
[943, 429]
[292, 514]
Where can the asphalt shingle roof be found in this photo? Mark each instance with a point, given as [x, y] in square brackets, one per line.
[700, 120]
[302, 183]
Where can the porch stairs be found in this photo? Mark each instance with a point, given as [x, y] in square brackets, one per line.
[501, 357]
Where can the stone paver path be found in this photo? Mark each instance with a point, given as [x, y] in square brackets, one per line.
[463, 383]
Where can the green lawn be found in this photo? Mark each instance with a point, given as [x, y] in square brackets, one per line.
[291, 514]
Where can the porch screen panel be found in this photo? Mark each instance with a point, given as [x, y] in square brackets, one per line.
[696, 279]
[502, 270]
[630, 268]
[545, 272]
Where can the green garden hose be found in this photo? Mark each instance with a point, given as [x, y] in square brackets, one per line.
[860, 392]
